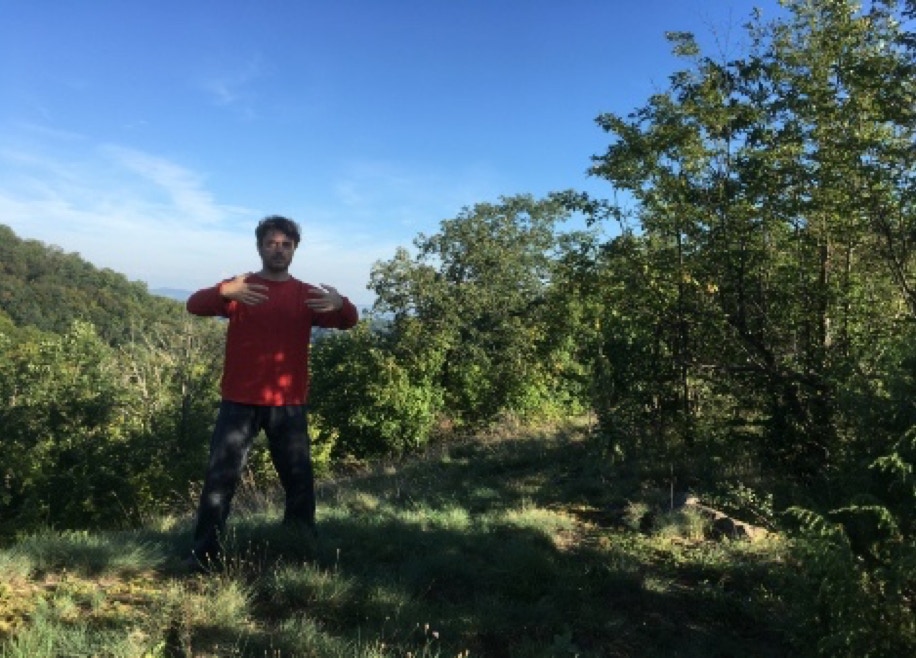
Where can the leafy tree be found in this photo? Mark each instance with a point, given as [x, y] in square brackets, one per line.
[470, 308]
[123, 431]
[174, 378]
[771, 191]
[64, 413]
[774, 253]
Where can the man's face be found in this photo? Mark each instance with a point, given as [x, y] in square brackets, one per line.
[276, 250]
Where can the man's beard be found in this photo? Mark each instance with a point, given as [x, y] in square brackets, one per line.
[276, 264]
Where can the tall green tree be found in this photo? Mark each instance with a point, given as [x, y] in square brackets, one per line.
[470, 306]
[773, 198]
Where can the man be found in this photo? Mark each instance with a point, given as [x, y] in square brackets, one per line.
[265, 380]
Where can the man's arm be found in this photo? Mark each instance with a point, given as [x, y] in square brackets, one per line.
[207, 302]
[215, 300]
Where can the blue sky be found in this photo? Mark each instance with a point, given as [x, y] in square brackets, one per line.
[150, 136]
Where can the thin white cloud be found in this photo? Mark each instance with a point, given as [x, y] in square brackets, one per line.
[183, 187]
[155, 220]
[133, 212]
[394, 195]
[45, 131]
[234, 87]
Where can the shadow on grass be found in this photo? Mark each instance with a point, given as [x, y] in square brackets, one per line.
[497, 589]
[505, 589]
[476, 550]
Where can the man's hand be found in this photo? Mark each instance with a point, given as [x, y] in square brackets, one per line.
[239, 290]
[326, 300]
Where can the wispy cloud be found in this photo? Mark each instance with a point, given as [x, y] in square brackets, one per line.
[156, 220]
[184, 188]
[234, 87]
[134, 212]
[411, 198]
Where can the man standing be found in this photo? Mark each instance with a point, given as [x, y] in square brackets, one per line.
[265, 380]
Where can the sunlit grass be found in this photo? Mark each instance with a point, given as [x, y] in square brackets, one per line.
[89, 553]
[15, 564]
[499, 546]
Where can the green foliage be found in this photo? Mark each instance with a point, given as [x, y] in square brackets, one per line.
[121, 430]
[43, 287]
[174, 377]
[858, 583]
[756, 322]
[859, 560]
[470, 311]
[749, 332]
[364, 402]
[751, 311]
[64, 418]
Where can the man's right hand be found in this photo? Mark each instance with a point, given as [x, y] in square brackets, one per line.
[239, 290]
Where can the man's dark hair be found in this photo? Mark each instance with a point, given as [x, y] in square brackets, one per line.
[277, 223]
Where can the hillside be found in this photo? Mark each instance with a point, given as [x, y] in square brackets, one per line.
[42, 286]
[516, 546]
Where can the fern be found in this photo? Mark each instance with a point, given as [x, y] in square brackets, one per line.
[859, 567]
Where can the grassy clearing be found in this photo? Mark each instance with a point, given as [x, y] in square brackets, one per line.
[521, 546]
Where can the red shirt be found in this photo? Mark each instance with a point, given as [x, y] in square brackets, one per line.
[267, 345]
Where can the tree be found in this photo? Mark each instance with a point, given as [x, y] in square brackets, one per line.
[174, 377]
[65, 413]
[773, 194]
[123, 431]
[470, 308]
[775, 254]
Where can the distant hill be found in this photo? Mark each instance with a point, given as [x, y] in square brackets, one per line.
[172, 293]
[44, 287]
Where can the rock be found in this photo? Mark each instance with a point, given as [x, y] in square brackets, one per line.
[722, 525]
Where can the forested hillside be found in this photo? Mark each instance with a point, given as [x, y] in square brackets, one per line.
[42, 286]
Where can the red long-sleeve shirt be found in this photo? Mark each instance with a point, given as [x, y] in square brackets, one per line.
[267, 345]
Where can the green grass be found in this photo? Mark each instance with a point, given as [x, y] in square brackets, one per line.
[512, 546]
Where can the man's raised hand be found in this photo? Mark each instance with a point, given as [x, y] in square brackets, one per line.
[239, 290]
[325, 300]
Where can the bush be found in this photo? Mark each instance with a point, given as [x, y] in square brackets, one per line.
[365, 403]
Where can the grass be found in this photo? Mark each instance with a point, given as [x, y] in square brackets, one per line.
[496, 546]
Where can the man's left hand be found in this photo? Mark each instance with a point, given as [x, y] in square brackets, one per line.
[324, 301]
